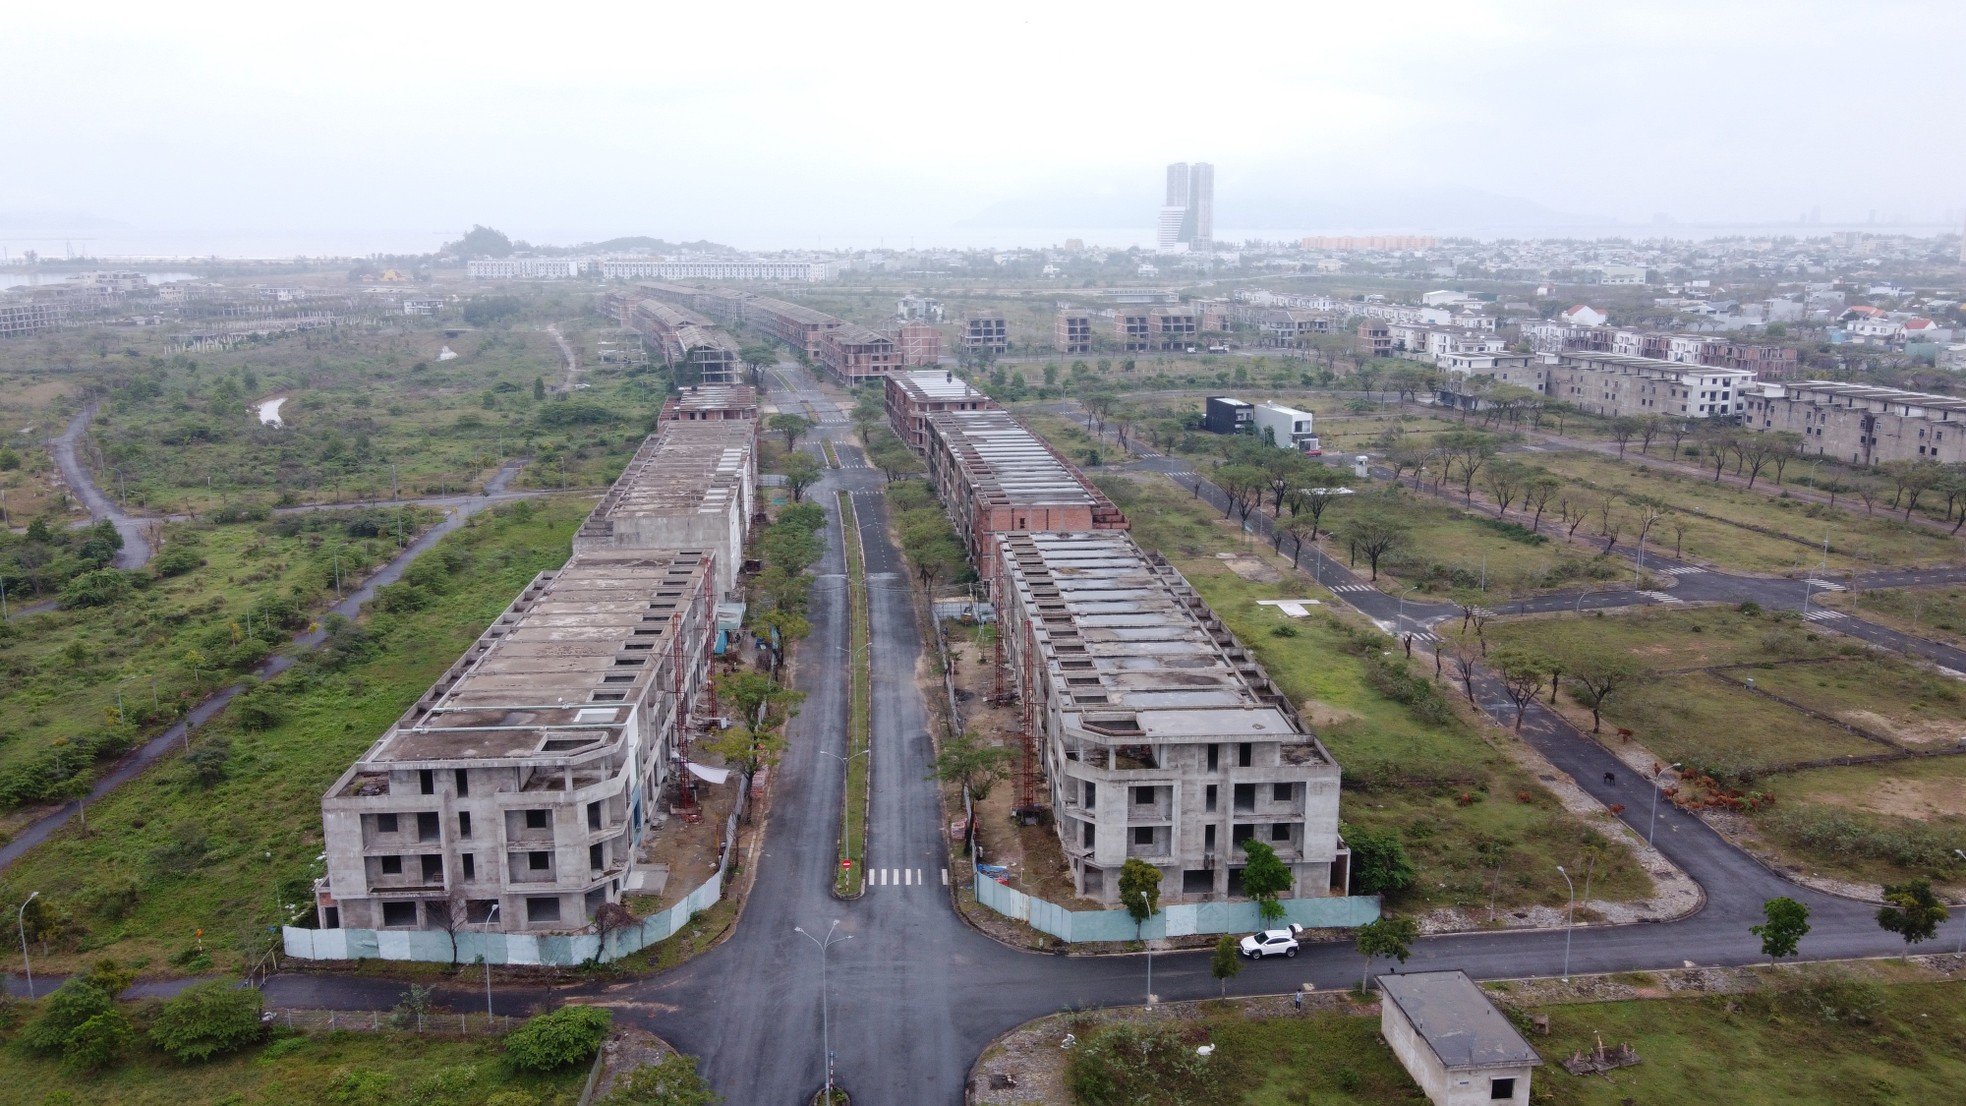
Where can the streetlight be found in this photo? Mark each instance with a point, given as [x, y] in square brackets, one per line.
[1578, 610]
[485, 955]
[1569, 921]
[20, 919]
[1400, 621]
[825, 1010]
[1654, 822]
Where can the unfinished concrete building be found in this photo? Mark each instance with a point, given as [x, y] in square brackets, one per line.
[911, 397]
[1073, 332]
[27, 315]
[1134, 329]
[920, 342]
[1616, 385]
[986, 333]
[1173, 328]
[712, 403]
[854, 355]
[995, 476]
[1861, 424]
[516, 791]
[1161, 737]
[694, 351]
[691, 485]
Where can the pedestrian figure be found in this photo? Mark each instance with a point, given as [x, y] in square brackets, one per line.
[1297, 1000]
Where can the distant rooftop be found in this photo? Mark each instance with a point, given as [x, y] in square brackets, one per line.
[685, 468]
[937, 385]
[1457, 1021]
[1866, 393]
[1006, 463]
[716, 397]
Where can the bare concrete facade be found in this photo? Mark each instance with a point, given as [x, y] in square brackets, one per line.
[853, 354]
[515, 791]
[1861, 424]
[712, 403]
[694, 351]
[1073, 332]
[996, 477]
[1618, 385]
[691, 485]
[1160, 735]
[986, 333]
[913, 396]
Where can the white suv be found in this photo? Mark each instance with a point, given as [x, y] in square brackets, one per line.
[1271, 942]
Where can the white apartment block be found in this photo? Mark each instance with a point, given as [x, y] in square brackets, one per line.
[807, 272]
[525, 268]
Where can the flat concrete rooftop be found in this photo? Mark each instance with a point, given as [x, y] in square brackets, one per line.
[684, 468]
[716, 397]
[1003, 461]
[1128, 641]
[937, 386]
[542, 680]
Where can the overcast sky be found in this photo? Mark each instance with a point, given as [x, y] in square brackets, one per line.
[356, 127]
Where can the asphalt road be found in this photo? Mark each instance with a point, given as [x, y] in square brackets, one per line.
[136, 547]
[915, 994]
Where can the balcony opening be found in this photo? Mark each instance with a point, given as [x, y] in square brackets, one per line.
[433, 869]
[1245, 798]
[391, 865]
[539, 860]
[426, 826]
[385, 823]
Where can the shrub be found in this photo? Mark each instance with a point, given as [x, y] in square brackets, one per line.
[176, 561]
[1128, 1063]
[63, 1012]
[672, 1082]
[558, 1038]
[206, 1020]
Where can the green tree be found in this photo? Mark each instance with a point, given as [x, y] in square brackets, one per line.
[1787, 923]
[973, 763]
[558, 1038]
[1522, 670]
[1375, 535]
[801, 472]
[746, 749]
[538, 388]
[1265, 879]
[1139, 891]
[97, 1043]
[671, 1081]
[793, 427]
[207, 1020]
[74, 1002]
[1912, 911]
[1595, 676]
[1379, 863]
[1387, 936]
[1225, 962]
[759, 700]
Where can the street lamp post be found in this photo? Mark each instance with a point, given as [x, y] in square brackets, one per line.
[1400, 620]
[485, 955]
[1578, 610]
[825, 1007]
[1569, 921]
[20, 919]
[1653, 822]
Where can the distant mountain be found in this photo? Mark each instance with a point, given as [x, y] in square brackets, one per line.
[1448, 209]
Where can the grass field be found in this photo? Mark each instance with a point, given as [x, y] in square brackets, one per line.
[1435, 779]
[1937, 613]
[1855, 540]
[88, 682]
[1864, 822]
[338, 1068]
[177, 853]
[1824, 1037]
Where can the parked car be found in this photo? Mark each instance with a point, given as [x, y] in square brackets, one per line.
[1271, 942]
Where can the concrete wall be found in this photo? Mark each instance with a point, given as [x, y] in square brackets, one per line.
[1178, 920]
[1443, 1087]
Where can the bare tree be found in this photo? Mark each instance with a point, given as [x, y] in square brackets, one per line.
[1536, 495]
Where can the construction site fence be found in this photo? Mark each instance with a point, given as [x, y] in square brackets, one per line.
[474, 946]
[1175, 920]
[434, 1023]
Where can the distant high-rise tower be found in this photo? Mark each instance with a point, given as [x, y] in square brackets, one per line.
[1188, 216]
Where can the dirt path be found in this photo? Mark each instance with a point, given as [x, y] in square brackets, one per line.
[572, 374]
[136, 546]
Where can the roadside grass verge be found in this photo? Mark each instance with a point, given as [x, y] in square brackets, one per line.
[1866, 1041]
[851, 875]
[1474, 822]
[333, 1067]
[185, 869]
[1936, 613]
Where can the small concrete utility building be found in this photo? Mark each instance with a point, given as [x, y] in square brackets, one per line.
[1227, 415]
[1454, 1042]
[1286, 427]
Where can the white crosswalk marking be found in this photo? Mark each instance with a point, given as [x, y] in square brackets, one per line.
[1683, 570]
[900, 877]
[1355, 588]
[1823, 616]
[1824, 585]
[1661, 597]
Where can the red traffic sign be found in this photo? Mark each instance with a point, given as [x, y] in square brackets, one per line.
[845, 863]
